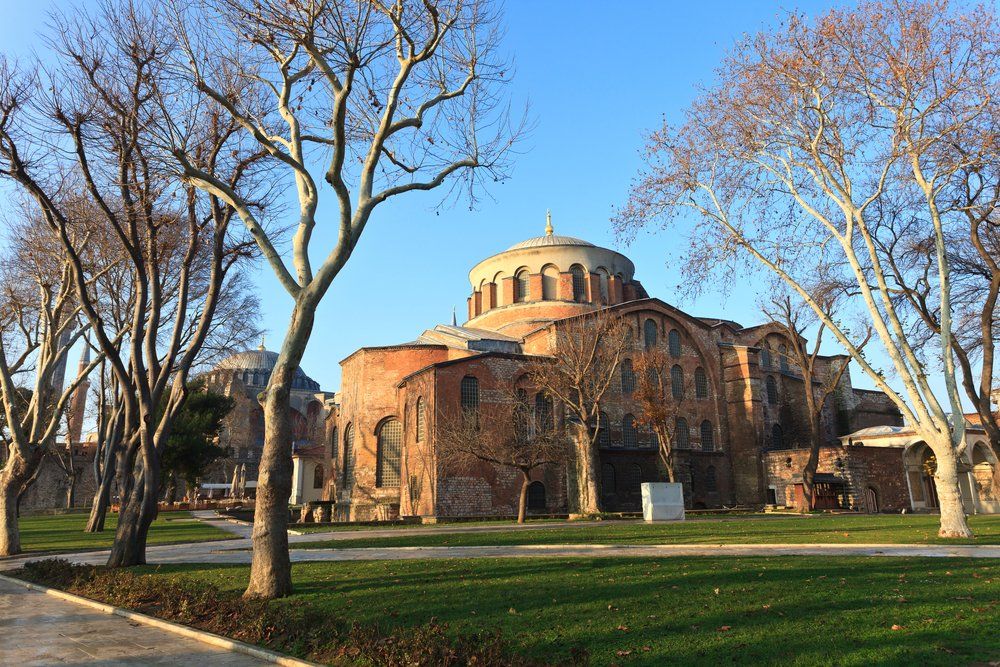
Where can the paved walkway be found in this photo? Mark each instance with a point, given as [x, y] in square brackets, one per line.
[40, 630]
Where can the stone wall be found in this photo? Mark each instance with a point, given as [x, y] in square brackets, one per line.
[860, 468]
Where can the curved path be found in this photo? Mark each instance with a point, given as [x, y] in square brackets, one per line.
[41, 630]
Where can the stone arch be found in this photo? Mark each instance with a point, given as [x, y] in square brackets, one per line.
[498, 281]
[550, 282]
[603, 276]
[985, 476]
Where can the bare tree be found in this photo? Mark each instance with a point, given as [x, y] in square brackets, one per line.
[84, 140]
[39, 323]
[807, 130]
[658, 407]
[503, 434]
[817, 387]
[377, 100]
[582, 361]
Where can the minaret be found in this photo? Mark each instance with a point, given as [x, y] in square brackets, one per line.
[78, 404]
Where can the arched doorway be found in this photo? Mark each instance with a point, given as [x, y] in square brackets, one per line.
[985, 477]
[871, 500]
[536, 497]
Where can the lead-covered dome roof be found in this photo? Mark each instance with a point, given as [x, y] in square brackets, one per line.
[257, 365]
[550, 240]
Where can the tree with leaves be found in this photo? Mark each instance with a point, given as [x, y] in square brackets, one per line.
[193, 443]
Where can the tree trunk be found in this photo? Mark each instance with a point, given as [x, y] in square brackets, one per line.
[953, 521]
[138, 513]
[99, 508]
[522, 503]
[15, 479]
[271, 567]
[587, 467]
[666, 453]
[70, 488]
[10, 536]
[812, 462]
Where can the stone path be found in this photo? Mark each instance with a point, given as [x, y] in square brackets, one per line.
[40, 630]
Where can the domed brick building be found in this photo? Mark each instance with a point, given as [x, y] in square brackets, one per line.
[243, 376]
[382, 462]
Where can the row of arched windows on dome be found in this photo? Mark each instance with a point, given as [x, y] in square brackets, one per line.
[550, 283]
[677, 389]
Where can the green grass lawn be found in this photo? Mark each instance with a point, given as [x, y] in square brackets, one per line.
[775, 610]
[833, 529]
[64, 532]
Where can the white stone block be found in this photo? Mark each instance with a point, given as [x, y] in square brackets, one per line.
[662, 501]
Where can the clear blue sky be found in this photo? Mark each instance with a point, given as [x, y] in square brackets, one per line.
[597, 80]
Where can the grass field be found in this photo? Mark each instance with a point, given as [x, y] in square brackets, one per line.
[64, 532]
[834, 529]
[787, 610]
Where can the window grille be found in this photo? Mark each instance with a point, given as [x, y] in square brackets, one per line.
[390, 448]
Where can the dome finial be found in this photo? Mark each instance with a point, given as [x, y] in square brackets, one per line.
[548, 223]
[261, 348]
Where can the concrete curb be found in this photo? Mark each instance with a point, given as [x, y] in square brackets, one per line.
[175, 628]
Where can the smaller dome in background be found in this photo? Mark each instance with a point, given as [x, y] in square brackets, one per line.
[257, 365]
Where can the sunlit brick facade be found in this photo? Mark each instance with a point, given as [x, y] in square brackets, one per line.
[749, 399]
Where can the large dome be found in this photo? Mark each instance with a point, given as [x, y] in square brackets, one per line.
[256, 366]
[550, 240]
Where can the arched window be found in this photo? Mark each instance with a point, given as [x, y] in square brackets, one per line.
[783, 358]
[633, 479]
[628, 377]
[765, 356]
[318, 476]
[521, 286]
[682, 436]
[579, 283]
[700, 383]
[421, 420]
[629, 439]
[522, 415]
[334, 444]
[603, 430]
[707, 436]
[777, 437]
[607, 479]
[677, 382]
[536, 497]
[390, 449]
[772, 389]
[649, 334]
[674, 342]
[349, 457]
[550, 282]
[710, 483]
[469, 393]
[544, 420]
